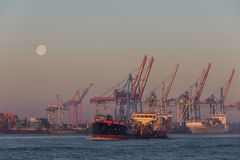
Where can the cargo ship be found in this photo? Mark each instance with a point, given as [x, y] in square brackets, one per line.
[141, 125]
[215, 124]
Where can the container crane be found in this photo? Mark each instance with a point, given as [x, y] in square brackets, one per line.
[73, 105]
[67, 106]
[127, 94]
[195, 99]
[55, 112]
[165, 92]
[216, 104]
[189, 103]
[146, 77]
[138, 77]
[72, 111]
[78, 102]
[52, 115]
[152, 100]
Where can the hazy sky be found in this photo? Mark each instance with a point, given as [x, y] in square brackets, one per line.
[100, 42]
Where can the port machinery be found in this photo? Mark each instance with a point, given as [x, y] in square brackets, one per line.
[130, 119]
[217, 104]
[127, 94]
[162, 101]
[217, 121]
[74, 107]
[188, 107]
[55, 113]
[157, 104]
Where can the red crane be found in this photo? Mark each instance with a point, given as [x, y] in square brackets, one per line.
[78, 99]
[204, 81]
[166, 92]
[228, 86]
[216, 104]
[189, 103]
[195, 99]
[128, 93]
[200, 85]
[146, 77]
[72, 111]
[75, 106]
[152, 100]
[138, 77]
[101, 100]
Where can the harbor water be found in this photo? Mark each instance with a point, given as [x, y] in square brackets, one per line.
[77, 147]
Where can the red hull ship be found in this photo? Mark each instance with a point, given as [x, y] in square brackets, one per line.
[142, 125]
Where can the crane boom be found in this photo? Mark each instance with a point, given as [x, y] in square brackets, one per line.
[133, 89]
[228, 85]
[204, 81]
[165, 95]
[64, 104]
[201, 84]
[195, 95]
[139, 75]
[84, 93]
[146, 77]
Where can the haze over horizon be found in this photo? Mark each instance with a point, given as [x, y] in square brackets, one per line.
[101, 42]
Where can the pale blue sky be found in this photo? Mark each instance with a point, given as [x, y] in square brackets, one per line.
[102, 41]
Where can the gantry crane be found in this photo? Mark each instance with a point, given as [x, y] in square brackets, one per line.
[75, 106]
[56, 111]
[195, 99]
[52, 115]
[189, 103]
[78, 102]
[165, 92]
[152, 100]
[216, 104]
[127, 95]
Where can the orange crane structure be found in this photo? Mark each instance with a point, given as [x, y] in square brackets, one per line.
[78, 103]
[152, 100]
[74, 106]
[217, 104]
[189, 103]
[127, 95]
[165, 92]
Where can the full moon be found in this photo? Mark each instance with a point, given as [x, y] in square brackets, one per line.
[41, 50]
